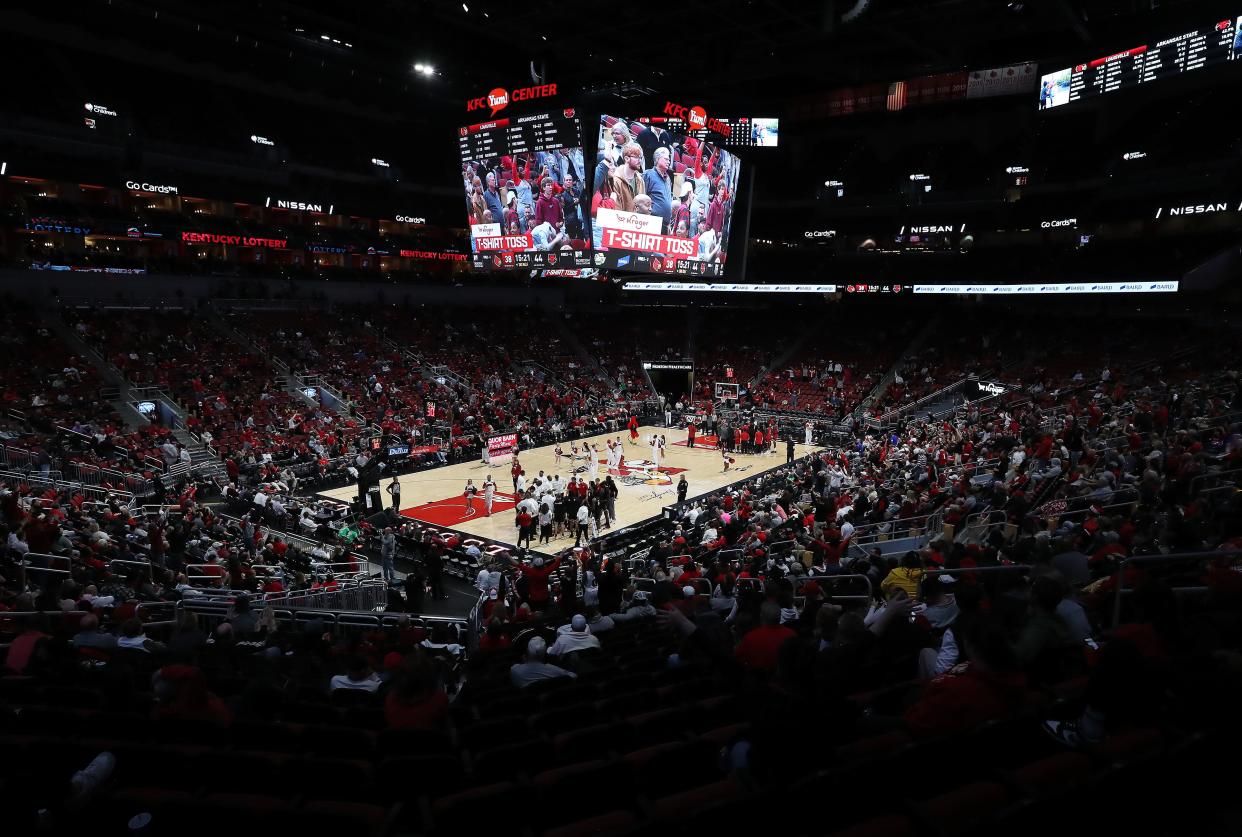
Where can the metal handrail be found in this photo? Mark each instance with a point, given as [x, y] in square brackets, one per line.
[1232, 554]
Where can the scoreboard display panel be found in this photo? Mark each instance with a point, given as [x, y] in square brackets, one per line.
[524, 183]
[1210, 45]
[743, 131]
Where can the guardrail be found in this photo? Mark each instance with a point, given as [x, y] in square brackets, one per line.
[799, 582]
[1143, 560]
[15, 481]
[212, 613]
[365, 596]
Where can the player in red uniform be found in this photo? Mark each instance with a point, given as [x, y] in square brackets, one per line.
[691, 430]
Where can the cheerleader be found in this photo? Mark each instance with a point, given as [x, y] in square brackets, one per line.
[559, 453]
[728, 460]
[468, 494]
[574, 451]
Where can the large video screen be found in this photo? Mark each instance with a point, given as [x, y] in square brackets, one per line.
[1212, 44]
[527, 203]
[661, 202]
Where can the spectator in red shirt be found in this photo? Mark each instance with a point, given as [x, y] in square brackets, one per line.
[991, 686]
[537, 575]
[416, 700]
[759, 649]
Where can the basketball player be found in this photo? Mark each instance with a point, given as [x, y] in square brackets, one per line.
[487, 454]
[691, 430]
[655, 449]
[810, 428]
[489, 493]
[661, 448]
[514, 471]
[469, 493]
[592, 462]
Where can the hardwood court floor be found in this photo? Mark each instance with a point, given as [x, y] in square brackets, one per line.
[437, 493]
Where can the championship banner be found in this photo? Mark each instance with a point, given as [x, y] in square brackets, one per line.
[649, 243]
[1002, 81]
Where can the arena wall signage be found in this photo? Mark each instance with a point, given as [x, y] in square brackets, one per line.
[99, 110]
[1060, 222]
[700, 287]
[1053, 288]
[158, 188]
[433, 255]
[501, 444]
[932, 228]
[498, 98]
[668, 366]
[301, 206]
[258, 140]
[410, 219]
[696, 118]
[976, 389]
[57, 225]
[1195, 209]
[188, 237]
[820, 234]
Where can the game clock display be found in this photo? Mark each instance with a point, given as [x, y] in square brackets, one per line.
[524, 179]
[661, 202]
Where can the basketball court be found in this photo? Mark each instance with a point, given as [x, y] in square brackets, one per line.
[436, 496]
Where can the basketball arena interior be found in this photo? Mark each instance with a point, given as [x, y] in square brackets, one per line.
[433, 418]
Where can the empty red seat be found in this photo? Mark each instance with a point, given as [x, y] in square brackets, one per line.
[679, 806]
[332, 818]
[961, 810]
[1055, 773]
[657, 727]
[611, 824]
[460, 813]
[890, 825]
[567, 793]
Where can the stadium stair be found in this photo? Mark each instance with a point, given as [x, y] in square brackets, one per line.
[929, 328]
